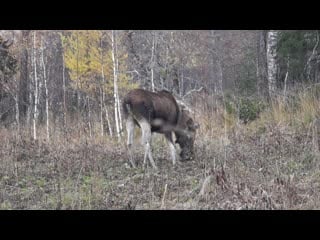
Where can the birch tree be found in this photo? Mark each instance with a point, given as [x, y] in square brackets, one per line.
[76, 45]
[36, 90]
[272, 37]
[97, 65]
[46, 90]
[115, 83]
[8, 79]
[152, 61]
[64, 93]
[261, 64]
[117, 71]
[103, 107]
[216, 59]
[24, 74]
[102, 94]
[308, 66]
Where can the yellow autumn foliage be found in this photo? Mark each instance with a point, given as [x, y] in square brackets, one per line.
[87, 53]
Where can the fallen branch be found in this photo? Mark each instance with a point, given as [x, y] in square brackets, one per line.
[164, 196]
[192, 91]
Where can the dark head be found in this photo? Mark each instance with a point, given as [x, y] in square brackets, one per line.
[185, 134]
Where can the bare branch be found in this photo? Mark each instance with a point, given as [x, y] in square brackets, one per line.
[163, 197]
[192, 91]
[312, 56]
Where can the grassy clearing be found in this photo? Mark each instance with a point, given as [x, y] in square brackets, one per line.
[269, 163]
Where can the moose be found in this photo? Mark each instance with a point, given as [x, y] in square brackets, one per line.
[158, 112]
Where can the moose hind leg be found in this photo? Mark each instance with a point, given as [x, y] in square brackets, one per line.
[146, 142]
[130, 132]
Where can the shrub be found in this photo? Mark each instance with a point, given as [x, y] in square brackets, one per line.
[249, 109]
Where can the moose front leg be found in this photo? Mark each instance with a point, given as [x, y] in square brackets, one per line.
[146, 142]
[172, 148]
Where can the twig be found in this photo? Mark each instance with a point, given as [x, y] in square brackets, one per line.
[164, 196]
[192, 91]
[307, 67]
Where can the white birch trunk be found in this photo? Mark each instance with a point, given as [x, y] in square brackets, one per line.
[103, 106]
[217, 59]
[89, 117]
[108, 121]
[272, 38]
[115, 83]
[46, 91]
[181, 83]
[101, 112]
[313, 54]
[64, 93]
[118, 98]
[29, 107]
[166, 67]
[36, 98]
[152, 61]
[261, 64]
[119, 113]
[16, 99]
[78, 81]
[101, 91]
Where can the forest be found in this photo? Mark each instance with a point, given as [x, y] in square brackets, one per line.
[254, 93]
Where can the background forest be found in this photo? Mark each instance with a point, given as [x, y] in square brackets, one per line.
[255, 93]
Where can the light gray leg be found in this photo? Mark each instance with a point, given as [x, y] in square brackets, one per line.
[146, 142]
[130, 132]
[171, 147]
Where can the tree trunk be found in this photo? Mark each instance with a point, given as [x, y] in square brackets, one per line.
[64, 93]
[261, 64]
[119, 113]
[78, 82]
[103, 105]
[89, 117]
[166, 69]
[118, 98]
[101, 112]
[30, 102]
[36, 95]
[272, 37]
[115, 83]
[16, 100]
[217, 59]
[313, 54]
[24, 75]
[181, 82]
[46, 90]
[152, 62]
[102, 91]
[108, 121]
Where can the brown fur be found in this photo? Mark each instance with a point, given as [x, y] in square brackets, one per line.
[161, 110]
